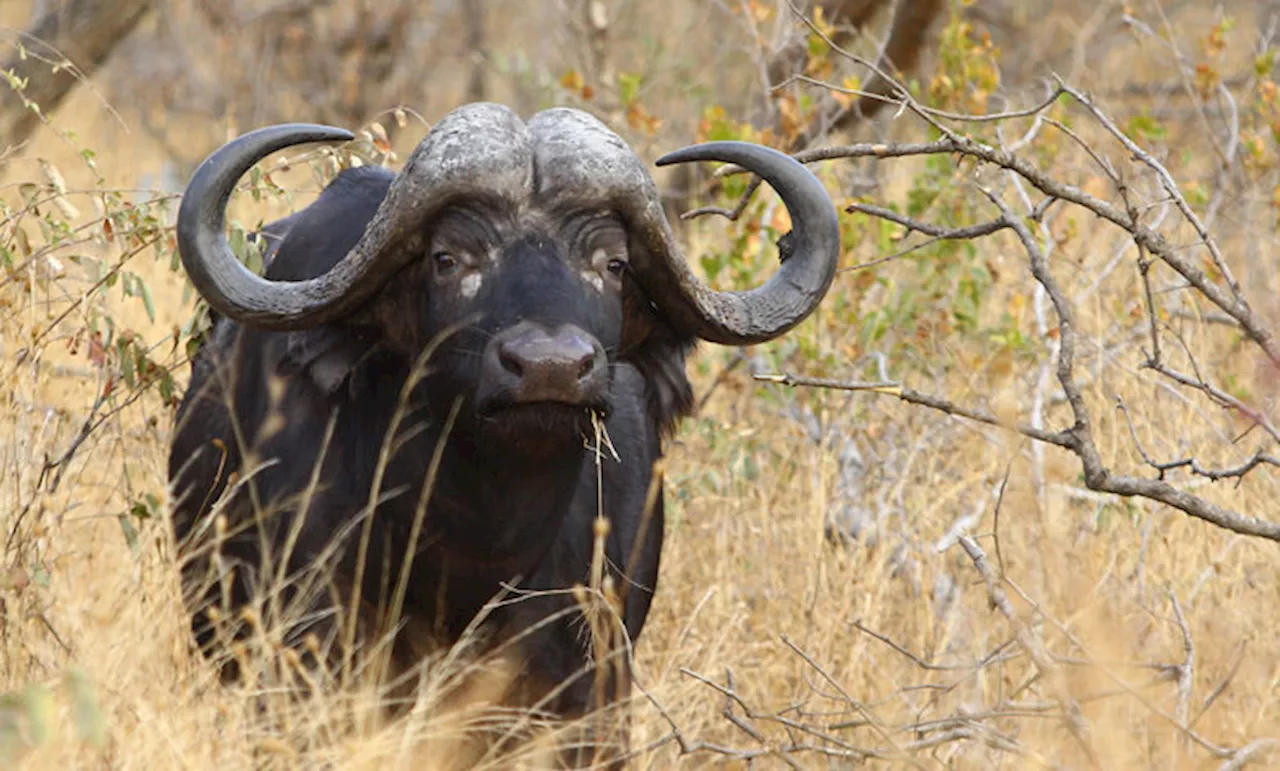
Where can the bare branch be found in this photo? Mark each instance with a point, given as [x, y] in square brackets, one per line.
[1217, 395]
[1250, 752]
[1227, 300]
[914, 658]
[1186, 671]
[731, 214]
[1216, 749]
[1078, 438]
[971, 231]
[1166, 179]
[1034, 646]
[1258, 458]
[1101, 480]
[1220, 688]
[924, 400]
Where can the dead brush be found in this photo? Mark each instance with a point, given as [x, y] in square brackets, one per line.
[884, 548]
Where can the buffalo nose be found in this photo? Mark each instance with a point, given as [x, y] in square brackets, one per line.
[538, 364]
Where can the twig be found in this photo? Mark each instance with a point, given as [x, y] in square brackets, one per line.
[995, 516]
[1170, 186]
[730, 214]
[1102, 480]
[1249, 753]
[1227, 300]
[1025, 112]
[971, 231]
[1186, 670]
[1218, 395]
[1078, 438]
[1216, 749]
[914, 658]
[1218, 689]
[739, 357]
[1238, 471]
[871, 718]
[1144, 270]
[915, 397]
[1073, 716]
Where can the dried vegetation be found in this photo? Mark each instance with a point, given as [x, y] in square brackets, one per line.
[1008, 500]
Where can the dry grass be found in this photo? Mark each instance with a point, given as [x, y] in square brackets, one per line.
[768, 640]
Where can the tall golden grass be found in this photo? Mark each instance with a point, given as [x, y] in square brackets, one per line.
[770, 644]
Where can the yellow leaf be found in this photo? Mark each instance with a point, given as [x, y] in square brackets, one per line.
[781, 220]
[572, 80]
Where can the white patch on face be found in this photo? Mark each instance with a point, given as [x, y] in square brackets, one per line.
[591, 275]
[594, 279]
[470, 284]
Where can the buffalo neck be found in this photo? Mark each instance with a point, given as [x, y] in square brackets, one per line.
[490, 506]
[494, 509]
[490, 520]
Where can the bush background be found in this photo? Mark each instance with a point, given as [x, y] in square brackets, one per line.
[798, 519]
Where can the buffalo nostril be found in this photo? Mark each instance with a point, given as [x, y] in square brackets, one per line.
[510, 362]
[532, 363]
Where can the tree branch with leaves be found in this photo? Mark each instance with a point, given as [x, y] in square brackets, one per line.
[1029, 202]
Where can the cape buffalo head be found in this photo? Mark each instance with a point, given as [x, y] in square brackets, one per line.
[543, 247]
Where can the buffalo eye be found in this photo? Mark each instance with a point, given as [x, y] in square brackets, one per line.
[444, 262]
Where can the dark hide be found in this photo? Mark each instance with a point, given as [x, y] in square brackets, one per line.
[516, 493]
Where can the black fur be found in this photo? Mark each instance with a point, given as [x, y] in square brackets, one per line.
[516, 494]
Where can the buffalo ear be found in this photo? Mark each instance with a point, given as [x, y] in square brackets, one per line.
[667, 388]
[327, 355]
[658, 351]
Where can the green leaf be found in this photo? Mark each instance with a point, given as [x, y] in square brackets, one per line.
[1264, 64]
[40, 575]
[817, 46]
[712, 264]
[147, 302]
[629, 86]
[40, 708]
[127, 371]
[1146, 128]
[255, 183]
[91, 725]
[166, 388]
[129, 530]
[236, 240]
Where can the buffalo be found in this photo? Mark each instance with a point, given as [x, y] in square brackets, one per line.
[450, 384]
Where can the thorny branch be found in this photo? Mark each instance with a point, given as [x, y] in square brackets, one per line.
[1186, 670]
[1230, 299]
[915, 397]
[1153, 247]
[1073, 718]
[1237, 471]
[818, 734]
[1234, 758]
[1100, 480]
[798, 729]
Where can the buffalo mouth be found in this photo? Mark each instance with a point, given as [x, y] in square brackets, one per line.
[543, 417]
[501, 409]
